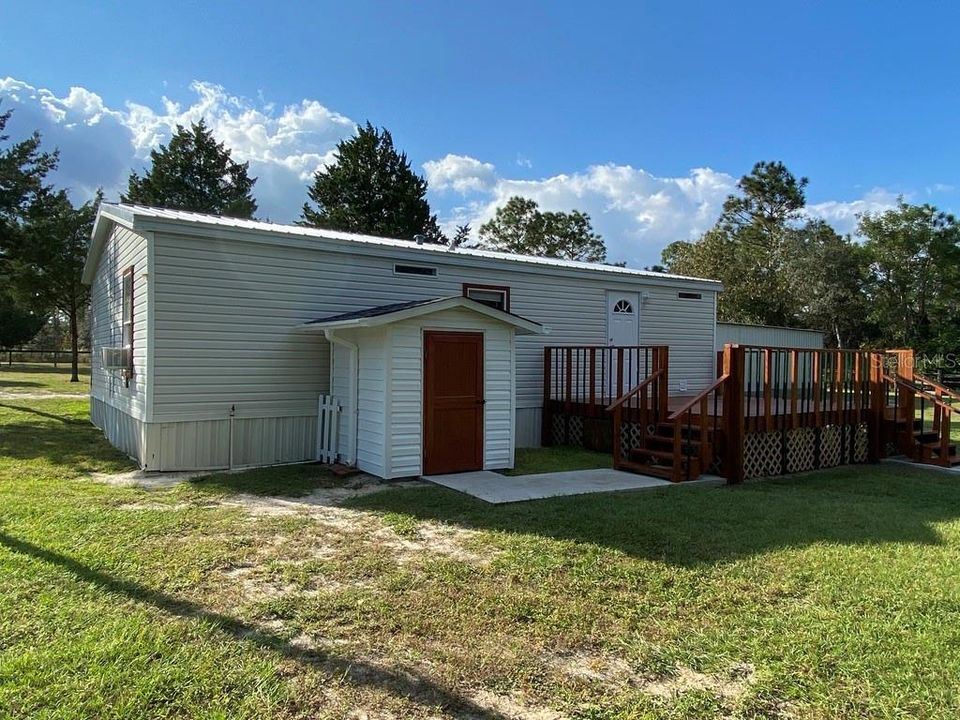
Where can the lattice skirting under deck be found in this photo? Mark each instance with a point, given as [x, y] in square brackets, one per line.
[791, 451]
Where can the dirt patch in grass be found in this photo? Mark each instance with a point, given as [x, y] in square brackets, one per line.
[732, 685]
[146, 480]
[612, 672]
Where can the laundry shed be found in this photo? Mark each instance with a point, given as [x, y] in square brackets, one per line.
[424, 387]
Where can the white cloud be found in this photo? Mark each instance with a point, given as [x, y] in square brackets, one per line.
[460, 173]
[99, 145]
[843, 215]
[636, 212]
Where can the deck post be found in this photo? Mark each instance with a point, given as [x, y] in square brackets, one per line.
[733, 412]
[908, 404]
[794, 387]
[620, 387]
[546, 416]
[877, 409]
[767, 390]
[662, 362]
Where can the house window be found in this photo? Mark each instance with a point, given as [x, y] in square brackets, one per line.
[496, 296]
[623, 307]
[126, 324]
[422, 270]
[689, 296]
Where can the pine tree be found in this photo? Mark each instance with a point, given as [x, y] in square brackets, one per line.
[194, 172]
[23, 170]
[371, 189]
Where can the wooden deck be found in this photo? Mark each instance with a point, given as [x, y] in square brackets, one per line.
[608, 397]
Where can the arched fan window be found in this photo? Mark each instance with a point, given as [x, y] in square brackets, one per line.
[623, 307]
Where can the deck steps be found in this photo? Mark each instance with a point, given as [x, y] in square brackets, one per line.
[660, 455]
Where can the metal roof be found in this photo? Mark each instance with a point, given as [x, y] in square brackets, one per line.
[131, 215]
[385, 314]
[375, 311]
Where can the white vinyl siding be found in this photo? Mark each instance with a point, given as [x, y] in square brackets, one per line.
[372, 399]
[123, 249]
[224, 334]
[226, 313]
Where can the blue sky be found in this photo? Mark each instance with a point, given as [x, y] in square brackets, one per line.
[642, 114]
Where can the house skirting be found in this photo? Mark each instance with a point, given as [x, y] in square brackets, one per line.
[208, 444]
[256, 442]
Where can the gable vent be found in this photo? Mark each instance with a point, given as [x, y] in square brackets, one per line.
[421, 270]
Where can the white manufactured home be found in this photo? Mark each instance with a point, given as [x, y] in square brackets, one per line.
[222, 343]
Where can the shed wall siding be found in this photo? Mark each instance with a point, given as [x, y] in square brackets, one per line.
[406, 397]
[340, 379]
[226, 310]
[768, 336]
[372, 397]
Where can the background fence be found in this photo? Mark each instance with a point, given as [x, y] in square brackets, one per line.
[53, 357]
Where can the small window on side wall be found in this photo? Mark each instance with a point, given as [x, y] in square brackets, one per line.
[126, 323]
[496, 296]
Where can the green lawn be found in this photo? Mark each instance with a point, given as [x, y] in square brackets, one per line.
[831, 595]
[531, 461]
[42, 377]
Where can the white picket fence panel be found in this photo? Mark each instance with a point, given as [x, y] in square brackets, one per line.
[328, 427]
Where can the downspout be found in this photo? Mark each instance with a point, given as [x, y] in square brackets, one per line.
[354, 383]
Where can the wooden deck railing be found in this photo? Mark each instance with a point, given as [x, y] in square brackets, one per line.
[910, 402]
[845, 396]
[785, 388]
[583, 380]
[694, 420]
[644, 400]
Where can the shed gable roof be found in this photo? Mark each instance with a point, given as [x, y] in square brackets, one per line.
[386, 314]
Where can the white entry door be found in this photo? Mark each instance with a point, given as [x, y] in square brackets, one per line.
[623, 318]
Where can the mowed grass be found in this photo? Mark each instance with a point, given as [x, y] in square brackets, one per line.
[42, 377]
[831, 595]
[533, 461]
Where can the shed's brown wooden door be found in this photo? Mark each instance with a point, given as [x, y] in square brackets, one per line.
[452, 402]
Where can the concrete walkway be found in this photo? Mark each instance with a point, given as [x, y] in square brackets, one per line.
[496, 488]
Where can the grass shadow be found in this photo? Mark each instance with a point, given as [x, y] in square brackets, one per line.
[689, 526]
[59, 439]
[281, 480]
[19, 383]
[45, 369]
[405, 684]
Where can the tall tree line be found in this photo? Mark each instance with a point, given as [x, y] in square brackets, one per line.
[43, 243]
[897, 286]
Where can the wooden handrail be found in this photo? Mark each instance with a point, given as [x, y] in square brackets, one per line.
[941, 389]
[630, 393]
[914, 388]
[703, 394]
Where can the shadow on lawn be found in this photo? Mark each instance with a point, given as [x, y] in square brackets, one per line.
[67, 441]
[357, 672]
[283, 480]
[18, 383]
[687, 526]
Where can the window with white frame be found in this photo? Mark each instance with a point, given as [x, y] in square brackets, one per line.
[496, 296]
